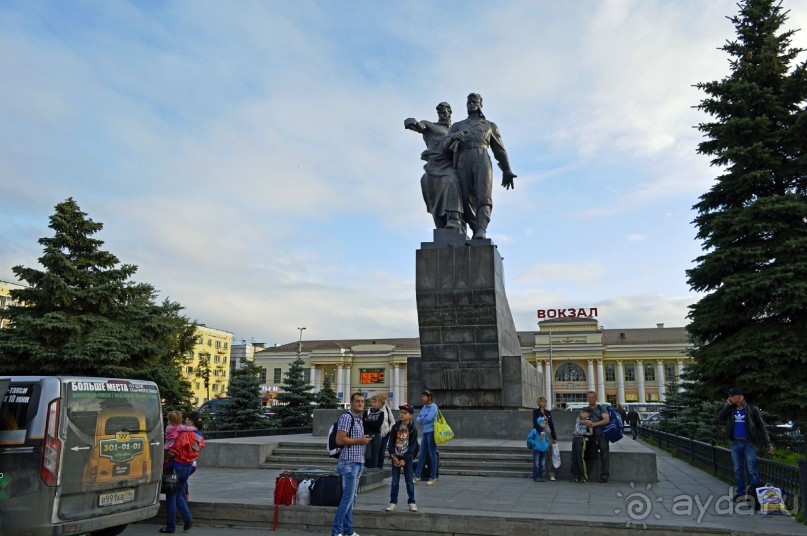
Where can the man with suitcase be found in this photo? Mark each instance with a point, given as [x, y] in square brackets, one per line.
[351, 463]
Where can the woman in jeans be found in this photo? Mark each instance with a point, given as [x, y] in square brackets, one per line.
[175, 500]
[541, 411]
[428, 448]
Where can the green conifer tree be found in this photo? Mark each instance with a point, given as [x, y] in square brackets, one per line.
[750, 327]
[81, 315]
[326, 398]
[244, 410]
[295, 399]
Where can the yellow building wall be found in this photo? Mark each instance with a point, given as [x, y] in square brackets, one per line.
[213, 347]
[5, 298]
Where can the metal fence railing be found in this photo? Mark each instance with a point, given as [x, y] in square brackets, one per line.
[230, 434]
[717, 460]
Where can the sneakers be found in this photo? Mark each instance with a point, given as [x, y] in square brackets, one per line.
[431, 482]
[552, 478]
[413, 507]
[539, 479]
[416, 480]
[390, 508]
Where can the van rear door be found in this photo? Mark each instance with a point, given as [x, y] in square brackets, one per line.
[112, 458]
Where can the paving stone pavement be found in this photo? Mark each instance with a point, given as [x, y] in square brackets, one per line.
[684, 499]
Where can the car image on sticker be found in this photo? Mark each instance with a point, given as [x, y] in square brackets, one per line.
[116, 497]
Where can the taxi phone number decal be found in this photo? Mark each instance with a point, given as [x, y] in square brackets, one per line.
[121, 451]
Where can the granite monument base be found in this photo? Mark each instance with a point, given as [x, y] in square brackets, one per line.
[470, 352]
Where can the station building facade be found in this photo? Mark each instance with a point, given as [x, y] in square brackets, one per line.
[573, 355]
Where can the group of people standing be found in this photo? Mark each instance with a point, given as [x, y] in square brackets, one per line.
[588, 442]
[361, 433]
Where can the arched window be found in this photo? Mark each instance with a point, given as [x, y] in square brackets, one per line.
[570, 372]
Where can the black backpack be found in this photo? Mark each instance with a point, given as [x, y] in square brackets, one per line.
[334, 450]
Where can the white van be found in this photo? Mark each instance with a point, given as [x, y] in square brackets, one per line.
[78, 455]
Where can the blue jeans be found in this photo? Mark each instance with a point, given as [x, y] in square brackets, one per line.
[176, 500]
[428, 448]
[744, 454]
[351, 473]
[396, 481]
[538, 463]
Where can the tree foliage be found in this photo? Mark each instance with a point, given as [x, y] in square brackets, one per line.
[244, 410]
[295, 399]
[326, 398]
[750, 328]
[81, 315]
[688, 414]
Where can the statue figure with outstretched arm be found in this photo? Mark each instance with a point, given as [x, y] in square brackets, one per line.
[469, 141]
[440, 184]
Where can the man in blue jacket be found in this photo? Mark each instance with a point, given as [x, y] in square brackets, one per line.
[744, 427]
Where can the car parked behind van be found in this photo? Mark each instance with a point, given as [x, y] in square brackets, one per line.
[81, 455]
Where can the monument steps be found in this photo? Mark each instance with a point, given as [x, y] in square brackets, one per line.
[465, 460]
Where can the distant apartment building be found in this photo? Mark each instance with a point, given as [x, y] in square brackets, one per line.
[207, 366]
[5, 298]
[244, 352]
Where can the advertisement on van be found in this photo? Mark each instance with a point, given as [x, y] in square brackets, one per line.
[79, 452]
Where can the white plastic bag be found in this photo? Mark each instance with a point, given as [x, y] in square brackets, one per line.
[771, 501]
[304, 492]
[555, 455]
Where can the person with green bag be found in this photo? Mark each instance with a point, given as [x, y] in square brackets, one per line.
[428, 448]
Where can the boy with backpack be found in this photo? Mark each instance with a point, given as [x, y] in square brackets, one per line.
[403, 449]
[538, 442]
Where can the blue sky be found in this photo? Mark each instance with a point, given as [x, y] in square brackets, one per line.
[250, 156]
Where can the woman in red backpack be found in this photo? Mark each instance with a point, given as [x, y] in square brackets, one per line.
[175, 500]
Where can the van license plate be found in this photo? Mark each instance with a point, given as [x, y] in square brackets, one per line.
[116, 497]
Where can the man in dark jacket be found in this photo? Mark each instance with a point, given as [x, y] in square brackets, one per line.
[633, 420]
[745, 428]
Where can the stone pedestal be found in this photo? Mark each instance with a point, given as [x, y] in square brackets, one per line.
[470, 352]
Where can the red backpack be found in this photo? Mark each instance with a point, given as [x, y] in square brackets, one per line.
[187, 446]
[285, 492]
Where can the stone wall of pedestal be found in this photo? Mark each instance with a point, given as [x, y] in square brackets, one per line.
[470, 352]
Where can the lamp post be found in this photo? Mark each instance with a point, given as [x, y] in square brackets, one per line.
[300, 344]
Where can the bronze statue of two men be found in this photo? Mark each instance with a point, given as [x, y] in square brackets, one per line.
[457, 186]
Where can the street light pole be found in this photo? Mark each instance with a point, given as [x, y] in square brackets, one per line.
[300, 344]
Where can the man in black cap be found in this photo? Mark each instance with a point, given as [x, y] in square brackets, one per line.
[745, 427]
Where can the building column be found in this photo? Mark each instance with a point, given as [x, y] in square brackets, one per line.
[662, 389]
[680, 374]
[543, 368]
[339, 388]
[346, 373]
[600, 380]
[640, 380]
[620, 383]
[590, 374]
[314, 379]
[396, 390]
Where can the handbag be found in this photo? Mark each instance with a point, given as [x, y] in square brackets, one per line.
[442, 431]
[170, 482]
[555, 456]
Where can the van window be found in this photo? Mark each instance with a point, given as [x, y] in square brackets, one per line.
[19, 407]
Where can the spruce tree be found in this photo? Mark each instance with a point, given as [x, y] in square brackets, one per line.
[750, 327]
[81, 315]
[326, 398]
[295, 399]
[244, 410]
